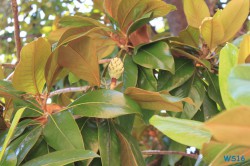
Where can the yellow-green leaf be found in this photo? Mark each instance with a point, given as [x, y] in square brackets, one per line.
[156, 100]
[232, 126]
[1, 72]
[233, 17]
[212, 32]
[244, 51]
[215, 153]
[29, 74]
[195, 11]
[79, 56]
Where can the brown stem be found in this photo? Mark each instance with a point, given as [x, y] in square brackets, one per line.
[8, 65]
[102, 61]
[71, 89]
[159, 152]
[17, 30]
[113, 83]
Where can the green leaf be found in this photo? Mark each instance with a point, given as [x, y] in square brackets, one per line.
[61, 132]
[156, 100]
[139, 23]
[23, 144]
[213, 88]
[9, 159]
[154, 56]
[81, 53]
[79, 21]
[239, 84]
[184, 70]
[72, 78]
[11, 131]
[195, 12]
[228, 59]
[7, 90]
[187, 132]
[130, 151]
[109, 144]
[39, 149]
[231, 126]
[62, 157]
[233, 17]
[29, 73]
[214, 153]
[104, 104]
[130, 73]
[190, 36]
[146, 79]
[212, 32]
[209, 108]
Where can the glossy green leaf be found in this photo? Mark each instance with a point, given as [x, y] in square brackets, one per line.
[190, 36]
[79, 21]
[214, 153]
[130, 151]
[60, 136]
[11, 131]
[39, 149]
[209, 108]
[231, 126]
[155, 56]
[146, 79]
[104, 104]
[156, 100]
[239, 84]
[232, 17]
[195, 12]
[130, 73]
[81, 53]
[9, 159]
[139, 23]
[29, 73]
[176, 129]
[184, 70]
[109, 144]
[23, 144]
[213, 88]
[62, 157]
[228, 59]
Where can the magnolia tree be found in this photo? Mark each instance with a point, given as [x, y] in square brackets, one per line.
[110, 93]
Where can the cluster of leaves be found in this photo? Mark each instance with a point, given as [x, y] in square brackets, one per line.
[192, 76]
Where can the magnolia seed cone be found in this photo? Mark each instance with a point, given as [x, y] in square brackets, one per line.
[115, 68]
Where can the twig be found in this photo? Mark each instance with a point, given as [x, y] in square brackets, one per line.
[67, 90]
[159, 152]
[102, 61]
[17, 30]
[8, 65]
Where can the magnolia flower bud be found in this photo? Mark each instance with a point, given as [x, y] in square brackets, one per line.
[115, 68]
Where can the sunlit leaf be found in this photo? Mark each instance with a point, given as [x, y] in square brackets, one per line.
[212, 32]
[29, 73]
[195, 134]
[155, 100]
[216, 153]
[244, 51]
[79, 56]
[79, 21]
[239, 84]
[62, 157]
[195, 12]
[231, 126]
[104, 104]
[228, 59]
[232, 17]
[190, 36]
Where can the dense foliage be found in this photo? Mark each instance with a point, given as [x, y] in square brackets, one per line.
[105, 92]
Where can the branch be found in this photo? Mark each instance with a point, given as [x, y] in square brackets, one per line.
[158, 152]
[67, 90]
[102, 61]
[17, 30]
[8, 65]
